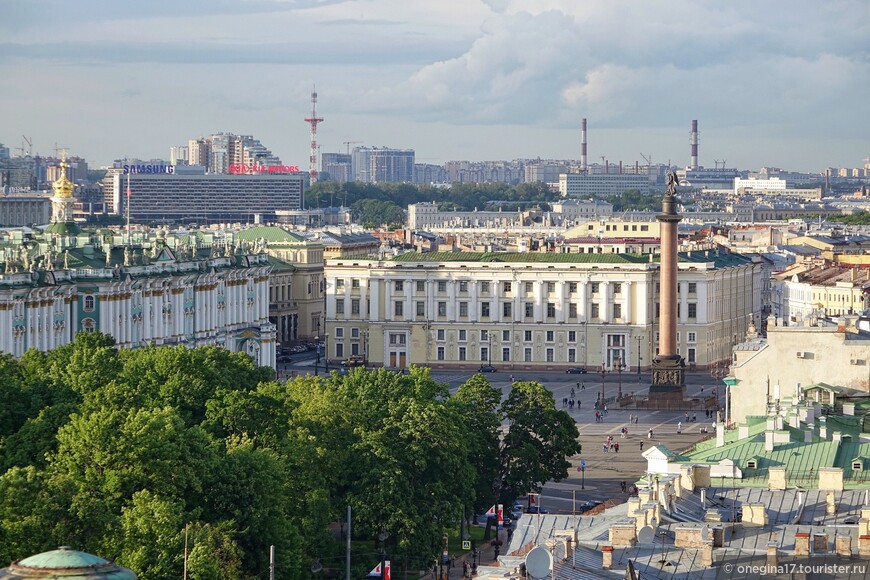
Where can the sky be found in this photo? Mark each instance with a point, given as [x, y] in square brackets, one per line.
[782, 83]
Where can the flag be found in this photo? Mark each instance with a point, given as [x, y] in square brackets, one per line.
[533, 499]
[377, 570]
[491, 511]
[500, 515]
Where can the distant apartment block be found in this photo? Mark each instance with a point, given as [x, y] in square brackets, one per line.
[381, 165]
[205, 198]
[336, 166]
[218, 152]
[583, 185]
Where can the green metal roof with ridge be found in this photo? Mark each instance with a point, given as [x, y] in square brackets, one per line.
[68, 564]
[272, 234]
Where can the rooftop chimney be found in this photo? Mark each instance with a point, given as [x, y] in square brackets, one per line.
[694, 162]
[583, 144]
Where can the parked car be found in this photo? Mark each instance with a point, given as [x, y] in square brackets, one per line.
[516, 512]
[353, 361]
[536, 510]
[486, 369]
[576, 371]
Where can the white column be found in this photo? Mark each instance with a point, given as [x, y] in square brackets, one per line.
[389, 309]
[474, 301]
[451, 300]
[375, 298]
[519, 311]
[562, 304]
[582, 309]
[684, 301]
[431, 310]
[539, 301]
[605, 302]
[408, 309]
[626, 301]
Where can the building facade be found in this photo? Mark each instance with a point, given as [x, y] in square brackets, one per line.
[587, 185]
[533, 311]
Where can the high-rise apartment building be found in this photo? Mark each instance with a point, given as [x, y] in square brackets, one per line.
[218, 152]
[379, 165]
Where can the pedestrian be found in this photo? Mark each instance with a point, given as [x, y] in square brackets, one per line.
[604, 448]
[622, 485]
[649, 434]
[687, 416]
[583, 386]
[572, 392]
[565, 402]
[512, 379]
[578, 404]
[464, 569]
[605, 408]
[616, 446]
[679, 427]
[596, 416]
[636, 419]
[694, 417]
[641, 444]
[630, 417]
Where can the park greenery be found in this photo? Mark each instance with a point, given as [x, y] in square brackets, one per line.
[130, 454]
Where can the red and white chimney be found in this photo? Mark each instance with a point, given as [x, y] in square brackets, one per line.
[694, 162]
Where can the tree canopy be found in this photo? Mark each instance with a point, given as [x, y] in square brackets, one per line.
[125, 453]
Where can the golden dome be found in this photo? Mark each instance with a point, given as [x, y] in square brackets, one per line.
[63, 187]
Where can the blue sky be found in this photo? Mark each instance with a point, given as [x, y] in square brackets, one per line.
[781, 83]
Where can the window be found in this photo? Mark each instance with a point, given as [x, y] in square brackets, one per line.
[572, 310]
[527, 355]
[397, 339]
[594, 287]
[549, 355]
[463, 335]
[693, 287]
[421, 308]
[442, 309]
[439, 334]
[617, 311]
[529, 287]
[527, 336]
[463, 309]
[89, 304]
[617, 288]
[484, 309]
[463, 286]
[505, 335]
[572, 336]
[551, 310]
[354, 283]
[339, 350]
[506, 286]
[354, 306]
[505, 354]
[530, 309]
[89, 324]
[593, 310]
[339, 283]
[399, 308]
[572, 287]
[691, 337]
[354, 332]
[572, 355]
[461, 353]
[644, 228]
[440, 353]
[484, 287]
[691, 356]
[484, 335]
[399, 286]
[551, 287]
[507, 309]
[442, 285]
[693, 310]
[339, 306]
[484, 354]
[551, 336]
[339, 332]
[657, 311]
[354, 348]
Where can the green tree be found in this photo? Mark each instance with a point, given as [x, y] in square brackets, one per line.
[151, 541]
[214, 553]
[479, 406]
[539, 440]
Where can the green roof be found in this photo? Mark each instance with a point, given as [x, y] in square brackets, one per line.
[270, 234]
[69, 563]
[63, 228]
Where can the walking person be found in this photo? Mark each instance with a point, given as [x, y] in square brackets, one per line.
[679, 427]
[616, 446]
[641, 444]
[649, 434]
[636, 419]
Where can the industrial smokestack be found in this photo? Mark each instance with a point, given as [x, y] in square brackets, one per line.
[694, 162]
[583, 144]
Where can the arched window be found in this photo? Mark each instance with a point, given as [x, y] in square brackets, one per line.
[89, 303]
[89, 324]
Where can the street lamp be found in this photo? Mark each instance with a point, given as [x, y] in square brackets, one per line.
[490, 338]
[317, 350]
[619, 366]
[326, 354]
[639, 358]
[365, 337]
[603, 374]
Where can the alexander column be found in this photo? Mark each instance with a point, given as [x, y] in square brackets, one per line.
[668, 373]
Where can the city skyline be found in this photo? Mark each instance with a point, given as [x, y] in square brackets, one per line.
[456, 80]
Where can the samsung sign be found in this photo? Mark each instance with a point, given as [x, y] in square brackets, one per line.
[149, 169]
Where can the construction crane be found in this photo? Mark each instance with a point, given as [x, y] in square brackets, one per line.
[29, 146]
[348, 144]
[648, 159]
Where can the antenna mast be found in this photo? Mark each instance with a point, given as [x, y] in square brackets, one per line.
[313, 120]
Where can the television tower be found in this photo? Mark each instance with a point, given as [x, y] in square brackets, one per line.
[313, 121]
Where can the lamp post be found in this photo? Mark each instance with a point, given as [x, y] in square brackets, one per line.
[619, 366]
[317, 348]
[489, 337]
[365, 337]
[639, 358]
[603, 374]
[326, 354]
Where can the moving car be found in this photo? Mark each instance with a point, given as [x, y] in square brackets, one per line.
[486, 369]
[353, 361]
[576, 371]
